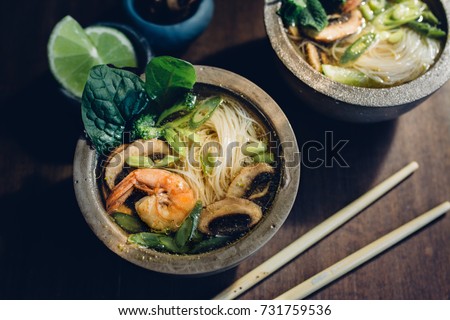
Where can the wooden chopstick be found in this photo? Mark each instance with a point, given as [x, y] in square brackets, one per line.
[314, 235]
[359, 257]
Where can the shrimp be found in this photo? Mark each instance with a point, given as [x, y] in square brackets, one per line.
[168, 202]
[137, 148]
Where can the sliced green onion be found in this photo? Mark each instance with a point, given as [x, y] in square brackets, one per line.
[356, 49]
[397, 15]
[253, 148]
[427, 29]
[204, 111]
[174, 140]
[367, 12]
[264, 157]
[189, 134]
[396, 36]
[377, 5]
[429, 17]
[208, 162]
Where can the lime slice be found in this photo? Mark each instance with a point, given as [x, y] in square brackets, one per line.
[71, 55]
[113, 46]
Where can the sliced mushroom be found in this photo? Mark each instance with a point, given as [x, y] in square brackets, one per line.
[229, 216]
[347, 24]
[138, 148]
[294, 32]
[312, 57]
[324, 58]
[242, 183]
[260, 193]
[115, 165]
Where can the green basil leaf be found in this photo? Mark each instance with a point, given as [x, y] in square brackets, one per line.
[167, 78]
[111, 98]
[290, 10]
[314, 16]
[303, 13]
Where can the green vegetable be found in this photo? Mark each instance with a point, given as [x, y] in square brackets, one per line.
[128, 223]
[155, 241]
[186, 105]
[167, 79]
[377, 5]
[144, 128]
[166, 161]
[179, 122]
[366, 12]
[111, 98]
[139, 162]
[207, 162]
[356, 49]
[188, 228]
[210, 244]
[398, 15]
[266, 157]
[304, 13]
[174, 140]
[188, 134]
[428, 16]
[204, 111]
[396, 36]
[253, 148]
[427, 29]
[346, 76]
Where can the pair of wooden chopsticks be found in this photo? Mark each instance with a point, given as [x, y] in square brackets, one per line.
[329, 225]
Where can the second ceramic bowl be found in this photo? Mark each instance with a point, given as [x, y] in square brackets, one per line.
[349, 103]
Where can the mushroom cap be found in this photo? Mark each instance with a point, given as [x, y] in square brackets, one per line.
[229, 216]
[243, 181]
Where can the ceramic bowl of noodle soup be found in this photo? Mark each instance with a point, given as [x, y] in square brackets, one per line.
[242, 197]
[366, 61]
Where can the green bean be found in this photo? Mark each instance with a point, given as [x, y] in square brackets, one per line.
[128, 223]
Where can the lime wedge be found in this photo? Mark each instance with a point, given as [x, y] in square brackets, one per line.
[73, 51]
[71, 55]
[112, 46]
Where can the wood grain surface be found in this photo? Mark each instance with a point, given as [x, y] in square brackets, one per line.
[47, 251]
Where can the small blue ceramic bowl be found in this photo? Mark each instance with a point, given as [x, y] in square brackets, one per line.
[173, 37]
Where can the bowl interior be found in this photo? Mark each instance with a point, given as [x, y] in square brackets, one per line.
[91, 203]
[399, 95]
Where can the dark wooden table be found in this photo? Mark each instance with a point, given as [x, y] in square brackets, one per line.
[47, 251]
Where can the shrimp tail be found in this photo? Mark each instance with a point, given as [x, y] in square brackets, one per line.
[120, 193]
